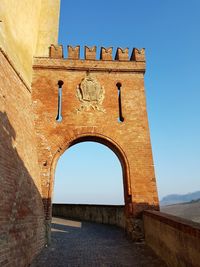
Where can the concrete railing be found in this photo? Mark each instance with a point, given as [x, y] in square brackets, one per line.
[94, 213]
[174, 239]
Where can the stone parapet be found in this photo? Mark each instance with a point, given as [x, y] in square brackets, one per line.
[175, 240]
[105, 214]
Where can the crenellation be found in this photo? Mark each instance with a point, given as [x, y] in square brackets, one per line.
[106, 53]
[122, 54]
[73, 52]
[138, 55]
[90, 53]
[56, 51]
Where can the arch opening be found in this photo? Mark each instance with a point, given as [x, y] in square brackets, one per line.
[89, 172]
[101, 139]
[119, 212]
[109, 214]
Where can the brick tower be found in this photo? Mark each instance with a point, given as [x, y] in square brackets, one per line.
[77, 100]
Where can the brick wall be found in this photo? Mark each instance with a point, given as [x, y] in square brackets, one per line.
[21, 211]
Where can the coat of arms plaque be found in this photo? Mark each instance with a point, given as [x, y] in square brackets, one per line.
[91, 94]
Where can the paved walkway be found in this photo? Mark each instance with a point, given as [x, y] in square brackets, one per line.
[83, 244]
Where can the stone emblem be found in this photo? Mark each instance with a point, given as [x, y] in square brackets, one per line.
[91, 94]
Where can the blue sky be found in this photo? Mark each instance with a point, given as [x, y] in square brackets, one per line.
[170, 32]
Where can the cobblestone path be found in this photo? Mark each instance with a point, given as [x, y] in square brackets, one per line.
[77, 244]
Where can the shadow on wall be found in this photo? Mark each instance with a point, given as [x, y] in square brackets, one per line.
[22, 232]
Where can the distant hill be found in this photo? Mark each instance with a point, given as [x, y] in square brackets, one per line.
[189, 211]
[175, 198]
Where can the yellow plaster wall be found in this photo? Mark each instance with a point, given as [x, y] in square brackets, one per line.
[48, 26]
[27, 28]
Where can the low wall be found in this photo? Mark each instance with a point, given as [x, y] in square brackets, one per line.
[94, 213]
[174, 239]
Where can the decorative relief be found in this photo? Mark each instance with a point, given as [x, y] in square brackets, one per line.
[91, 94]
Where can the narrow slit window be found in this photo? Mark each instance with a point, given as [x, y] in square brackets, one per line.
[120, 118]
[59, 114]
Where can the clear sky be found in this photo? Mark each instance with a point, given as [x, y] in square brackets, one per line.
[170, 32]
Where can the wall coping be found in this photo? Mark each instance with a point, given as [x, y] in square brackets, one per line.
[183, 225]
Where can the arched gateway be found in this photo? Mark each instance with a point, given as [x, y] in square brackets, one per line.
[102, 139]
[102, 100]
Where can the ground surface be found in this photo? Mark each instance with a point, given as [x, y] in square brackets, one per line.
[93, 245]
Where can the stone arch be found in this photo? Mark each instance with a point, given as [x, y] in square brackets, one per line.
[99, 138]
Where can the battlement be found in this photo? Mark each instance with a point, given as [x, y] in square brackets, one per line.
[121, 62]
[90, 53]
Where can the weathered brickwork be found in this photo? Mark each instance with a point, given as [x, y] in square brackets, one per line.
[22, 232]
[87, 115]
